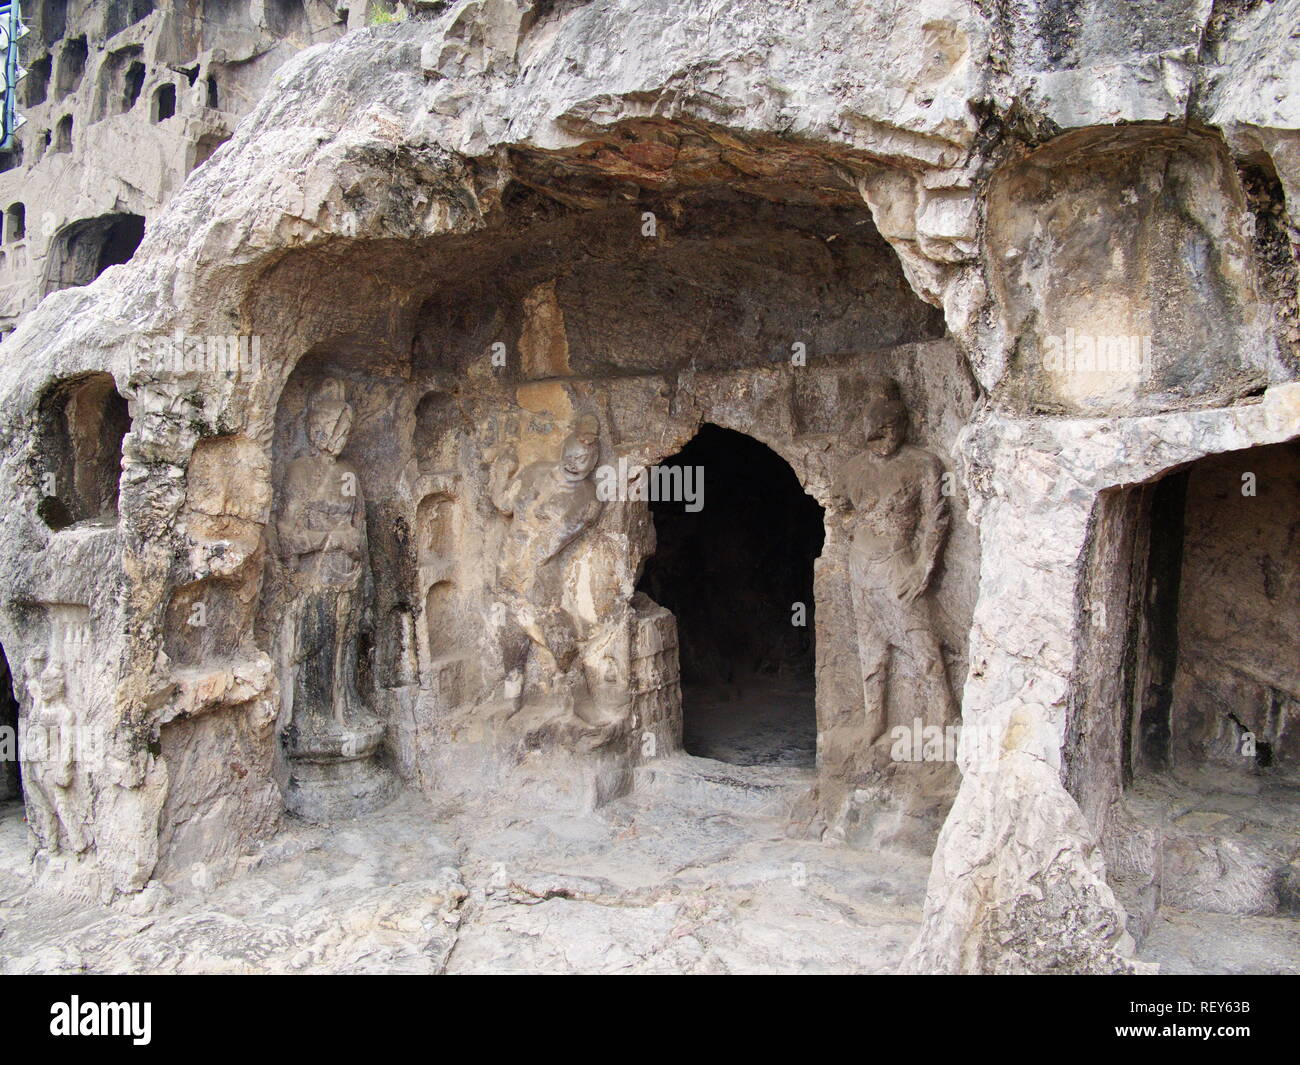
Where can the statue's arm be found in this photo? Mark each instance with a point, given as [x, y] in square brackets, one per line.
[933, 529]
[353, 538]
[572, 528]
[295, 536]
[504, 485]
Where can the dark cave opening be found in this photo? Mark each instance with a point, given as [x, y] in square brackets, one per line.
[1216, 685]
[82, 425]
[84, 249]
[120, 242]
[11, 781]
[164, 102]
[734, 564]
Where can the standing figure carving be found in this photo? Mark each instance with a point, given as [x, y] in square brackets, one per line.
[550, 505]
[49, 771]
[322, 535]
[899, 520]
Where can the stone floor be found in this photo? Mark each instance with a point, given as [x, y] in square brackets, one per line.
[688, 877]
[1229, 841]
[1230, 858]
[1190, 943]
[692, 873]
[762, 721]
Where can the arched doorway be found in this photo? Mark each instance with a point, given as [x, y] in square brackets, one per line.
[735, 566]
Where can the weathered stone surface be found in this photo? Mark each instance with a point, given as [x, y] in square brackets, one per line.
[526, 246]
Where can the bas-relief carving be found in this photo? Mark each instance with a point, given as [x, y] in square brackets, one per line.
[899, 521]
[322, 535]
[550, 505]
[49, 772]
[540, 654]
[67, 755]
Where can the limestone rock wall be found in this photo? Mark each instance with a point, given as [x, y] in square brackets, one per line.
[123, 100]
[974, 199]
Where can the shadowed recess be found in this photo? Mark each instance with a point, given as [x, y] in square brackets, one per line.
[738, 574]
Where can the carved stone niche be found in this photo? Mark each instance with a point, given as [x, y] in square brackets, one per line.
[436, 436]
[1182, 747]
[82, 422]
[437, 547]
[445, 641]
[331, 734]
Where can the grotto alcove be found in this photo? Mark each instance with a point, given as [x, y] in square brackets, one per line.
[84, 249]
[733, 562]
[1184, 746]
[82, 423]
[327, 608]
[470, 362]
[769, 316]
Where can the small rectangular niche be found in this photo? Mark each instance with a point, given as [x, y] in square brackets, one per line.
[70, 67]
[164, 102]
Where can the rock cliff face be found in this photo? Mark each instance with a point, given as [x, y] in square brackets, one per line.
[341, 482]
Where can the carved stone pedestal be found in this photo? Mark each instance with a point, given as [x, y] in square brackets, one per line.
[339, 775]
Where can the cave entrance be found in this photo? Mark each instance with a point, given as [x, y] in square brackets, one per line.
[734, 564]
[84, 249]
[1201, 568]
[83, 422]
[11, 779]
[1217, 684]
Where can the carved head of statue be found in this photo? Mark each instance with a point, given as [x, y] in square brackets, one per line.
[329, 418]
[45, 676]
[884, 417]
[581, 449]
